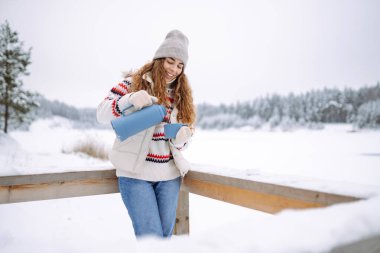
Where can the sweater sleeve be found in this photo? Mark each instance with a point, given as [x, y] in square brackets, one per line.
[116, 101]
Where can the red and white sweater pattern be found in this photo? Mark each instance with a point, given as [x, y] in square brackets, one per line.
[159, 151]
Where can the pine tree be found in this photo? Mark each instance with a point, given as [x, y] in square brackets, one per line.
[15, 102]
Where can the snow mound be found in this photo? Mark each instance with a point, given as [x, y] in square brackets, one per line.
[11, 153]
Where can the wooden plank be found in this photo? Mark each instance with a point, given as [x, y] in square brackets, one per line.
[182, 225]
[15, 189]
[57, 177]
[261, 196]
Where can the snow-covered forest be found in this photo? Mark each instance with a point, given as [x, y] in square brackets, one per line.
[358, 107]
[80, 117]
[312, 109]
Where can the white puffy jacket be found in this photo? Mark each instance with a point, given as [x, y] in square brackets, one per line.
[130, 154]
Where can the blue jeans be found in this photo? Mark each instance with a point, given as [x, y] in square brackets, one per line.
[151, 205]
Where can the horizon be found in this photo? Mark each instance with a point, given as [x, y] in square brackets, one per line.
[237, 101]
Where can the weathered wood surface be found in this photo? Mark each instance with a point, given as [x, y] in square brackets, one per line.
[266, 197]
[182, 223]
[24, 188]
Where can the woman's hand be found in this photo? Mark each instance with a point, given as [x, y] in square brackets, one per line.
[141, 99]
[183, 135]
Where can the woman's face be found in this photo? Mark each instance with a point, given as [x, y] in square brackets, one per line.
[173, 68]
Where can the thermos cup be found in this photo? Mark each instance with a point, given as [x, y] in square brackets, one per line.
[172, 129]
[130, 124]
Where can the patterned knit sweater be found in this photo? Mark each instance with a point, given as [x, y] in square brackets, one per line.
[159, 164]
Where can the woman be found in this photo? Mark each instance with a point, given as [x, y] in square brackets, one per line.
[149, 166]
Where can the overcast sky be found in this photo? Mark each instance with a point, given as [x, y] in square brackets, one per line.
[239, 50]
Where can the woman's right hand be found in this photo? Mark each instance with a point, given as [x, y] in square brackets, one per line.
[141, 99]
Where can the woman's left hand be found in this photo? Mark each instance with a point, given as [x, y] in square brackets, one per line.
[183, 135]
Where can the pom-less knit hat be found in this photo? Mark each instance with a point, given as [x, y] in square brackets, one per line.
[175, 46]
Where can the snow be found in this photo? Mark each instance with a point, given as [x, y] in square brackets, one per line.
[40, 150]
[289, 231]
[335, 159]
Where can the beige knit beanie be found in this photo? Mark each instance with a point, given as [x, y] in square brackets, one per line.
[175, 46]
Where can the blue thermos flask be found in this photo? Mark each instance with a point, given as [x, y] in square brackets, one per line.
[133, 123]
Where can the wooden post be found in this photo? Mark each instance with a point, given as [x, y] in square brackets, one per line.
[182, 219]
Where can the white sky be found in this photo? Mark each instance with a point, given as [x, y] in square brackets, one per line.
[239, 50]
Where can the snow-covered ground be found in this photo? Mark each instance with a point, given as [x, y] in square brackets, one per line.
[45, 149]
[335, 159]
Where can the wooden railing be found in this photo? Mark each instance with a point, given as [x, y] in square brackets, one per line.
[266, 197]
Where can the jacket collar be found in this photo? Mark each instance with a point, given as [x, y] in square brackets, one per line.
[148, 77]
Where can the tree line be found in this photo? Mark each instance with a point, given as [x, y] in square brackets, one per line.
[359, 107]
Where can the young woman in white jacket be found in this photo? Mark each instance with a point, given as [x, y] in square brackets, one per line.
[148, 165]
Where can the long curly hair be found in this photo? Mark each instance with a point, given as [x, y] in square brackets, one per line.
[183, 98]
